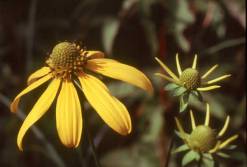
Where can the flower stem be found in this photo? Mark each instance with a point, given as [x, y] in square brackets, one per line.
[91, 143]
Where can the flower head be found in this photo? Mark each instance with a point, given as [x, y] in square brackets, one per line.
[189, 80]
[203, 139]
[66, 66]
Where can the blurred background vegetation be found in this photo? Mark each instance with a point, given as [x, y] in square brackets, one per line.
[133, 32]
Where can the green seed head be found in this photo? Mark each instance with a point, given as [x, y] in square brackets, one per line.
[190, 78]
[202, 139]
[64, 55]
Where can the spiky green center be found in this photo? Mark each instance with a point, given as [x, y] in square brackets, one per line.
[202, 139]
[64, 55]
[190, 78]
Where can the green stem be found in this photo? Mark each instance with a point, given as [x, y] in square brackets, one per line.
[91, 143]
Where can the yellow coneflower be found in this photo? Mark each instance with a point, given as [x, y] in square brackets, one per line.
[67, 65]
[190, 78]
[203, 139]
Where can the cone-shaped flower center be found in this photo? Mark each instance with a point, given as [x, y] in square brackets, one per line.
[190, 78]
[202, 139]
[66, 58]
[64, 55]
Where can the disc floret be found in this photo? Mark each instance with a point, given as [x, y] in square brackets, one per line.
[190, 78]
[66, 58]
[202, 139]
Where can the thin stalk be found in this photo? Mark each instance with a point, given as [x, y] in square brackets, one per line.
[91, 143]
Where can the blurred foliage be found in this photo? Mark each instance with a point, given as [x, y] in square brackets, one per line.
[133, 32]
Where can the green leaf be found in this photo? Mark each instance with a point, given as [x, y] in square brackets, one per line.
[171, 87]
[179, 91]
[181, 149]
[189, 157]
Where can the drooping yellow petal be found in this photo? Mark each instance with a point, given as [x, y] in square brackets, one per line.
[209, 71]
[218, 79]
[112, 111]
[14, 104]
[228, 141]
[38, 110]
[178, 65]
[208, 88]
[193, 123]
[194, 62]
[167, 78]
[94, 54]
[167, 69]
[207, 115]
[116, 70]
[38, 74]
[69, 115]
[223, 130]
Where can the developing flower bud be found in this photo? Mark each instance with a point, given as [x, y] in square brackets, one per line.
[202, 139]
[190, 78]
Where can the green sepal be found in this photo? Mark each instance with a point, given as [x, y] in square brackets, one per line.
[207, 160]
[181, 149]
[189, 157]
[179, 91]
[223, 155]
[171, 86]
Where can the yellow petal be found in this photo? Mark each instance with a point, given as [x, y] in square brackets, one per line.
[194, 62]
[167, 69]
[216, 147]
[14, 104]
[167, 78]
[228, 141]
[208, 88]
[38, 110]
[116, 70]
[94, 54]
[178, 65]
[223, 130]
[112, 111]
[207, 115]
[193, 123]
[38, 74]
[210, 71]
[69, 115]
[218, 79]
